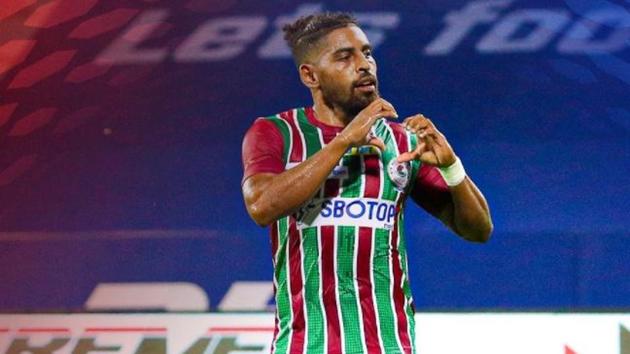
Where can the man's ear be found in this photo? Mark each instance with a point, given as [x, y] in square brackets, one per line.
[308, 75]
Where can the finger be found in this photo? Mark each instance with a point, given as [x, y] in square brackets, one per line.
[426, 133]
[392, 115]
[430, 123]
[387, 104]
[406, 156]
[412, 155]
[420, 122]
[389, 108]
[407, 123]
[436, 139]
[428, 159]
[426, 140]
[374, 107]
[377, 142]
[415, 123]
[388, 113]
[377, 109]
[431, 144]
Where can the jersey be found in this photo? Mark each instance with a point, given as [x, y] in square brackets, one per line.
[341, 280]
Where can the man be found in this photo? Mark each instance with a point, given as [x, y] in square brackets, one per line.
[332, 180]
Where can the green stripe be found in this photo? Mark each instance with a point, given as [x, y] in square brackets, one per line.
[389, 190]
[310, 132]
[402, 250]
[312, 289]
[382, 289]
[384, 132]
[391, 152]
[283, 300]
[286, 135]
[347, 292]
[351, 186]
[415, 165]
[402, 244]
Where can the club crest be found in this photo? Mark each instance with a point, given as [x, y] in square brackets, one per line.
[399, 173]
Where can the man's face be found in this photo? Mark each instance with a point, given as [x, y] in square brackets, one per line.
[347, 70]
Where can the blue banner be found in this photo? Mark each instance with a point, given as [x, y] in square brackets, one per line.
[121, 128]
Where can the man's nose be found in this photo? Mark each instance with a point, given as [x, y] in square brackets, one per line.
[363, 64]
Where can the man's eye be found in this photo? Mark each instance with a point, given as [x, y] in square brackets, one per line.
[368, 53]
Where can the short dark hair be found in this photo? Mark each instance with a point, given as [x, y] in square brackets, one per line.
[303, 34]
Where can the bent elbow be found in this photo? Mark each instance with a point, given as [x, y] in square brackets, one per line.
[262, 222]
[259, 215]
[483, 234]
[477, 234]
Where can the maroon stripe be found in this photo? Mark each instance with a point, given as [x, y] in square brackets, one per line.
[297, 289]
[328, 131]
[364, 270]
[328, 137]
[364, 257]
[297, 153]
[329, 287]
[399, 136]
[372, 176]
[331, 188]
[399, 297]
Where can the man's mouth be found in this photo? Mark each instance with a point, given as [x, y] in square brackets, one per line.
[366, 85]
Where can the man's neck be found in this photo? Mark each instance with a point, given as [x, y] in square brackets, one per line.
[330, 115]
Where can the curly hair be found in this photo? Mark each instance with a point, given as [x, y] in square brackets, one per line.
[303, 34]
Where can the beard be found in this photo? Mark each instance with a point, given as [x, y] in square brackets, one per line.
[350, 100]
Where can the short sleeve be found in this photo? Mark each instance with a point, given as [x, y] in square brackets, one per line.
[262, 149]
[430, 190]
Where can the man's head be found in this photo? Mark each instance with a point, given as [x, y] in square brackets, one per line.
[334, 59]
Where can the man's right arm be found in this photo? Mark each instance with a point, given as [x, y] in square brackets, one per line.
[270, 196]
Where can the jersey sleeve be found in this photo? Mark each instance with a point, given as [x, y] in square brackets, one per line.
[430, 190]
[263, 148]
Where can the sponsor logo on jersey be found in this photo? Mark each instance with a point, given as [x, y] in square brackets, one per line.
[367, 212]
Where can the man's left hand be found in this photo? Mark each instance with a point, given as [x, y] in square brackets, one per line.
[433, 148]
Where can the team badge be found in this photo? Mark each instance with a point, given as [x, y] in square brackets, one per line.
[399, 173]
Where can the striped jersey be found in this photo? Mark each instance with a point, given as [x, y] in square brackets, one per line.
[340, 262]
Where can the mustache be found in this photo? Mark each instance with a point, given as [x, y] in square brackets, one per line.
[365, 77]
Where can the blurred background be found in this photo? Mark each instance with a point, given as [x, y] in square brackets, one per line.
[120, 138]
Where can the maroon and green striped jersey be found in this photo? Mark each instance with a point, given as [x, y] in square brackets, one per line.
[340, 263]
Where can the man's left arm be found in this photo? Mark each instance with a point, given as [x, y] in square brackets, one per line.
[459, 204]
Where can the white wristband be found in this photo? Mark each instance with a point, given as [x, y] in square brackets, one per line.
[453, 174]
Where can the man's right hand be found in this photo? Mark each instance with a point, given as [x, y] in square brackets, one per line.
[357, 132]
